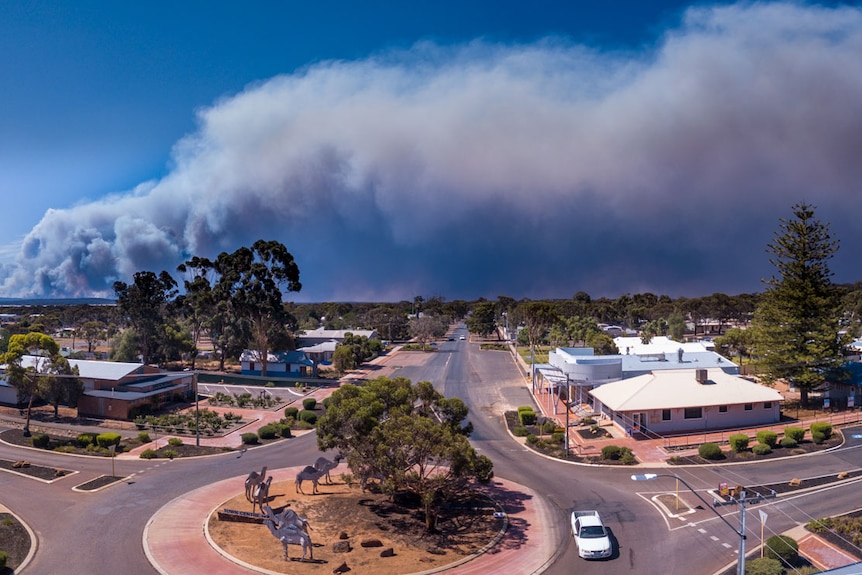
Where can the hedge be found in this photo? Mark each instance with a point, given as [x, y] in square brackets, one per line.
[767, 437]
[738, 442]
[822, 427]
[249, 438]
[108, 438]
[268, 431]
[794, 433]
[710, 451]
[86, 438]
[527, 416]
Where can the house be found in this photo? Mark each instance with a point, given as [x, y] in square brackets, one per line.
[118, 390]
[278, 364]
[321, 352]
[687, 400]
[312, 337]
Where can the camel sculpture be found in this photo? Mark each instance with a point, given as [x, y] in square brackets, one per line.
[288, 533]
[261, 494]
[288, 517]
[309, 474]
[252, 481]
[323, 464]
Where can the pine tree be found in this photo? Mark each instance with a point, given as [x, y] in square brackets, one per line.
[796, 322]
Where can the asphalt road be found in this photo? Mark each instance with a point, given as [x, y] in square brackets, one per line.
[101, 532]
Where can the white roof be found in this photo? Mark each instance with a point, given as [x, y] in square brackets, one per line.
[338, 334]
[658, 344]
[91, 369]
[669, 389]
[323, 347]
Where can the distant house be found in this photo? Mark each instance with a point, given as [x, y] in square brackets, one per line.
[278, 364]
[312, 337]
[117, 390]
[687, 400]
[321, 352]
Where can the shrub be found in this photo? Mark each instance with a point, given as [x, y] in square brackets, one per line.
[763, 566]
[558, 437]
[169, 453]
[3, 559]
[303, 425]
[283, 429]
[270, 384]
[548, 426]
[611, 452]
[325, 402]
[268, 431]
[818, 437]
[483, 468]
[309, 403]
[520, 431]
[767, 437]
[41, 440]
[249, 438]
[532, 439]
[85, 439]
[738, 442]
[107, 439]
[175, 441]
[588, 421]
[149, 454]
[627, 457]
[527, 417]
[144, 437]
[822, 427]
[308, 417]
[761, 449]
[291, 411]
[710, 451]
[788, 442]
[783, 548]
[794, 433]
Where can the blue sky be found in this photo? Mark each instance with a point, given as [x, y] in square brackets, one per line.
[459, 149]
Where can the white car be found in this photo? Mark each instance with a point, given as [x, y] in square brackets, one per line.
[462, 337]
[591, 535]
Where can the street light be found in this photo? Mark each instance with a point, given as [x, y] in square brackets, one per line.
[740, 564]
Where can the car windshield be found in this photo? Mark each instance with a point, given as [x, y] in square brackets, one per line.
[592, 532]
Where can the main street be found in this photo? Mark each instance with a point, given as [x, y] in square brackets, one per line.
[101, 532]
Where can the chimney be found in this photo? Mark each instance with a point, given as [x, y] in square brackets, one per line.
[700, 376]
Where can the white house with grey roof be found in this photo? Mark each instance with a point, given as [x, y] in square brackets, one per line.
[686, 400]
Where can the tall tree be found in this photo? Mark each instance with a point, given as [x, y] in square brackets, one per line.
[482, 320]
[197, 305]
[539, 316]
[145, 305]
[252, 279]
[797, 321]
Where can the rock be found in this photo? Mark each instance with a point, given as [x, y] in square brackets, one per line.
[343, 535]
[341, 547]
[343, 568]
[388, 552]
[371, 543]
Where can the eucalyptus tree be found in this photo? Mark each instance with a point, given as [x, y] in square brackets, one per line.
[539, 316]
[483, 319]
[197, 305]
[797, 324]
[146, 306]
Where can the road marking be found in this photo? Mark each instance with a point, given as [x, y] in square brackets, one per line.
[726, 545]
[702, 530]
[713, 537]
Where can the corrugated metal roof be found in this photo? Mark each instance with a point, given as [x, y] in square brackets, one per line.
[678, 389]
[91, 369]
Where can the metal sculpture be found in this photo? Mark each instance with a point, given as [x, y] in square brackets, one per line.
[288, 533]
[252, 481]
[261, 494]
[309, 474]
[323, 464]
[288, 517]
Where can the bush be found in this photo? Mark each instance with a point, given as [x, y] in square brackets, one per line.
[270, 384]
[175, 441]
[283, 430]
[783, 548]
[309, 403]
[308, 417]
[738, 442]
[794, 433]
[627, 457]
[3, 559]
[249, 438]
[822, 427]
[611, 452]
[527, 417]
[144, 437]
[710, 451]
[767, 437]
[291, 411]
[325, 402]
[86, 438]
[818, 437]
[788, 442]
[520, 431]
[763, 566]
[532, 439]
[483, 467]
[588, 421]
[761, 449]
[558, 437]
[41, 440]
[149, 454]
[169, 453]
[548, 426]
[108, 438]
[268, 431]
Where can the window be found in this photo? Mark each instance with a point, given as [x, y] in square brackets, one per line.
[693, 412]
[749, 407]
[722, 409]
[665, 415]
[767, 405]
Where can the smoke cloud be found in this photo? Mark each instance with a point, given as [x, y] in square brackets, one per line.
[524, 170]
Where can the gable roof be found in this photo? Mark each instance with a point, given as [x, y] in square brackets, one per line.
[92, 369]
[679, 389]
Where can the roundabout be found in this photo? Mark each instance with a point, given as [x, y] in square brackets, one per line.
[186, 536]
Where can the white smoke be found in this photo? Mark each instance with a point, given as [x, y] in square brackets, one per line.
[481, 170]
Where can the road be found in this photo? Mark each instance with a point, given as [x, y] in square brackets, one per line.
[101, 532]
